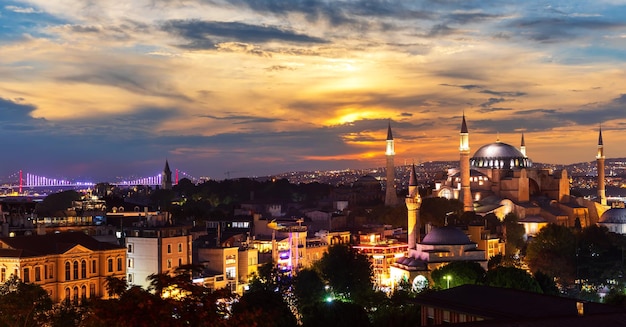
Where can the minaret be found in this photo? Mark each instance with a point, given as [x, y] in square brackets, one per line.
[391, 198]
[600, 167]
[166, 177]
[522, 147]
[464, 163]
[413, 202]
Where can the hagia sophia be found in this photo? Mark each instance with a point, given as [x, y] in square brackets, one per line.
[500, 179]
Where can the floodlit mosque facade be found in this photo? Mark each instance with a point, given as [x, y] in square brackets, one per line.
[498, 179]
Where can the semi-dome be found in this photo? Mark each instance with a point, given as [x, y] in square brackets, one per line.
[499, 155]
[613, 216]
[446, 235]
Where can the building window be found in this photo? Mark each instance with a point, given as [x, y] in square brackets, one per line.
[75, 294]
[68, 272]
[130, 278]
[110, 264]
[169, 248]
[131, 263]
[93, 267]
[119, 264]
[83, 269]
[92, 290]
[26, 276]
[169, 263]
[67, 294]
[45, 271]
[51, 271]
[3, 274]
[231, 273]
[180, 262]
[130, 247]
[75, 269]
[180, 247]
[83, 292]
[37, 274]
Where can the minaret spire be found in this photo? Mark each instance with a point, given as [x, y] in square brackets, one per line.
[391, 198]
[464, 149]
[600, 168]
[413, 202]
[522, 147]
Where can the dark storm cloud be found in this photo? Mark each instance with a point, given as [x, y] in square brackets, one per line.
[337, 13]
[534, 111]
[440, 30]
[504, 93]
[206, 34]
[466, 86]
[492, 101]
[487, 110]
[371, 99]
[243, 119]
[144, 80]
[471, 17]
[15, 117]
[549, 30]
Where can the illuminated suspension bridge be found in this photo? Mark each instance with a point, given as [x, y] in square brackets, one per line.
[23, 180]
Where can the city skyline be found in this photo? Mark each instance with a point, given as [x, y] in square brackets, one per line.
[254, 88]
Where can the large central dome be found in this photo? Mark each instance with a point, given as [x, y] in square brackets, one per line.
[499, 155]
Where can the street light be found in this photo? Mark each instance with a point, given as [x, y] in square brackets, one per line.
[447, 278]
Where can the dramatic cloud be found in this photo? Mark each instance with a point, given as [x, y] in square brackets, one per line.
[103, 89]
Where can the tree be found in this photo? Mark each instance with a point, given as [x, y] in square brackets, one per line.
[547, 284]
[553, 252]
[458, 273]
[513, 235]
[269, 307]
[308, 287]
[511, 277]
[348, 273]
[23, 304]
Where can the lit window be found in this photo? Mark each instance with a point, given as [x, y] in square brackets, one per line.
[83, 269]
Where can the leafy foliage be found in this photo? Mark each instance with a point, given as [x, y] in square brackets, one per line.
[348, 273]
[511, 277]
[23, 304]
[553, 252]
[458, 273]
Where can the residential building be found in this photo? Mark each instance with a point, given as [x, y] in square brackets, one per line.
[156, 250]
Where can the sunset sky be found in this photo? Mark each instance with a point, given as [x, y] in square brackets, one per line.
[254, 87]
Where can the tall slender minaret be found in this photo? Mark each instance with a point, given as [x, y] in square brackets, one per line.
[413, 202]
[166, 177]
[522, 147]
[600, 167]
[391, 198]
[464, 163]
